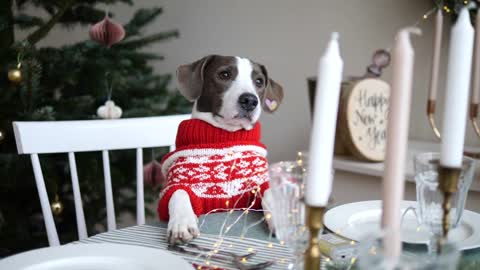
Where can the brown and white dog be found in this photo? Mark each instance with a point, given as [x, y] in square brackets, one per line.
[228, 93]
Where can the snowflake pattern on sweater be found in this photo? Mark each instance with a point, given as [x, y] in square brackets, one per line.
[215, 167]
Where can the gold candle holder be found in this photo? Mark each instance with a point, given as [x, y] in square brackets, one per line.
[473, 117]
[431, 117]
[448, 184]
[314, 219]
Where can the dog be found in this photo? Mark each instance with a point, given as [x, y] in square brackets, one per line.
[228, 95]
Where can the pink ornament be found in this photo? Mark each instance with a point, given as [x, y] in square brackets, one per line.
[107, 32]
[152, 175]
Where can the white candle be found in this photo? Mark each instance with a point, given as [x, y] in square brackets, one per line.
[457, 91]
[318, 184]
[476, 70]
[397, 139]
[437, 47]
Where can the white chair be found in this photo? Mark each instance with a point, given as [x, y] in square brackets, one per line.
[93, 135]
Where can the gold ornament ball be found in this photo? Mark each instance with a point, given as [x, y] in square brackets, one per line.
[57, 207]
[15, 75]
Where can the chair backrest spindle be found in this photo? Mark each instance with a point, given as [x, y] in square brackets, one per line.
[111, 223]
[44, 202]
[77, 197]
[140, 197]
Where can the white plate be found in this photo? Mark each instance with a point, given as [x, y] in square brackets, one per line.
[356, 220]
[95, 257]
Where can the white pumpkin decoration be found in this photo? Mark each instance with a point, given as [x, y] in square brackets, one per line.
[109, 110]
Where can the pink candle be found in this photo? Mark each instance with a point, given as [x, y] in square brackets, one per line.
[476, 69]
[437, 47]
[397, 139]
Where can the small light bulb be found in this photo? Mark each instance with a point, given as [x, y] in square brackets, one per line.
[270, 245]
[425, 16]
[250, 249]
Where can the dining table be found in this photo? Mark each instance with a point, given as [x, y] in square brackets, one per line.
[249, 234]
[239, 240]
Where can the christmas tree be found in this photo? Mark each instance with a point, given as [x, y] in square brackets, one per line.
[65, 83]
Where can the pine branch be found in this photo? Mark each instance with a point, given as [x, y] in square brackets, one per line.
[41, 32]
[82, 14]
[141, 18]
[142, 42]
[25, 21]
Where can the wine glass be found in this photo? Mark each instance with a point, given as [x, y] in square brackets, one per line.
[288, 211]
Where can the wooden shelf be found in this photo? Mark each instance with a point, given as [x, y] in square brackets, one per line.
[348, 164]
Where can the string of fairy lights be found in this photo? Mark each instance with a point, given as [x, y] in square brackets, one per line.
[226, 226]
[206, 256]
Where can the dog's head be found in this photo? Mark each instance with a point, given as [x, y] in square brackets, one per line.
[229, 92]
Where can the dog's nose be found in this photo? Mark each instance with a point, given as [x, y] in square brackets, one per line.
[248, 102]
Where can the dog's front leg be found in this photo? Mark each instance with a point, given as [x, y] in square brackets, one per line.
[267, 204]
[182, 226]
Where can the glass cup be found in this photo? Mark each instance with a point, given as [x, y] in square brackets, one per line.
[429, 209]
[371, 256]
[288, 211]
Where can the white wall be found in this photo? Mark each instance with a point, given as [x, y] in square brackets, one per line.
[288, 37]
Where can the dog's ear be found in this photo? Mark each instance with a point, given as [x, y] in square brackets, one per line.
[273, 94]
[190, 78]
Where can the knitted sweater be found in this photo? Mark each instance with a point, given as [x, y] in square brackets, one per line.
[217, 168]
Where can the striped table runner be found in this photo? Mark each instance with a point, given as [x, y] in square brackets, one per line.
[155, 237]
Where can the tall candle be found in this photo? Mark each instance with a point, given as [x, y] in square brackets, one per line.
[476, 70]
[437, 47]
[318, 184]
[457, 90]
[397, 139]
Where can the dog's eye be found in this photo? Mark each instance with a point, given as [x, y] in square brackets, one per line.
[259, 82]
[224, 75]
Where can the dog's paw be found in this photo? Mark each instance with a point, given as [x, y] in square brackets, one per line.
[182, 226]
[267, 204]
[182, 229]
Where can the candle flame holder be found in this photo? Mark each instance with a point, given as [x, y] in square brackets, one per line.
[448, 184]
[314, 222]
[431, 118]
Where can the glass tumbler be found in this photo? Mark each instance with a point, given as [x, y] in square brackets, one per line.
[429, 210]
[288, 211]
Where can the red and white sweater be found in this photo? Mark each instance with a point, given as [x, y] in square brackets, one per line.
[215, 166]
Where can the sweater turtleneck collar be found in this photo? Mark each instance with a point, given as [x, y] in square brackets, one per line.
[197, 132]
